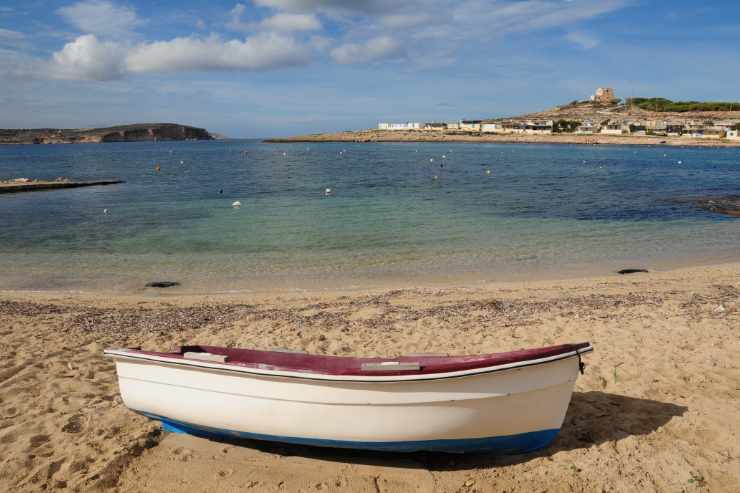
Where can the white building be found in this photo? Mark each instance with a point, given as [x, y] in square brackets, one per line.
[615, 128]
[540, 127]
[470, 125]
[399, 126]
[513, 127]
[587, 128]
[490, 128]
[438, 126]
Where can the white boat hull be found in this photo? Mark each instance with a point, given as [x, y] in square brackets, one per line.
[506, 410]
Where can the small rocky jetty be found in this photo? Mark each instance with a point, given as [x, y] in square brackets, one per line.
[728, 205]
[28, 185]
[136, 132]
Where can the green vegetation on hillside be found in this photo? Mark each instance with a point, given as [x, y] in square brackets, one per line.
[662, 104]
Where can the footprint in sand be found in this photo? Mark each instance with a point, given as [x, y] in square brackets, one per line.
[74, 424]
[183, 453]
[38, 440]
[9, 437]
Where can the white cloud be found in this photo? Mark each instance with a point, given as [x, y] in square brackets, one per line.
[291, 22]
[16, 65]
[235, 18]
[372, 30]
[528, 15]
[259, 52]
[8, 35]
[100, 17]
[371, 50]
[328, 5]
[584, 40]
[87, 58]
[281, 21]
[405, 20]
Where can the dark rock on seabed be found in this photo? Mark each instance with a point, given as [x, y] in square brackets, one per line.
[162, 284]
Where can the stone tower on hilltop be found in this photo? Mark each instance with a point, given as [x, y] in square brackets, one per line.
[604, 95]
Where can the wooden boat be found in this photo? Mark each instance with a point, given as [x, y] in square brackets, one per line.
[506, 403]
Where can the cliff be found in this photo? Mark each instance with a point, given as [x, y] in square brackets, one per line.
[122, 133]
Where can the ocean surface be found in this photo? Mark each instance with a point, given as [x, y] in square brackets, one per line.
[397, 213]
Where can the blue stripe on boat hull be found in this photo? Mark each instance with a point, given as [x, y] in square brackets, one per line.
[510, 444]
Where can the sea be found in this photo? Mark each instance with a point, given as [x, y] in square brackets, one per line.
[357, 215]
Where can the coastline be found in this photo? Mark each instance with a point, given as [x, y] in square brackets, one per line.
[657, 406]
[366, 136]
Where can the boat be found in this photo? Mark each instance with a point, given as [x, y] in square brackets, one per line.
[504, 403]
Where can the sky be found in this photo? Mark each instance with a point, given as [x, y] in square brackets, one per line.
[258, 68]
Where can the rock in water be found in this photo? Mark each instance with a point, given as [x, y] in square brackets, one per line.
[631, 271]
[162, 284]
[729, 205]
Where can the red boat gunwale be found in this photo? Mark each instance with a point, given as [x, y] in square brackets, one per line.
[350, 366]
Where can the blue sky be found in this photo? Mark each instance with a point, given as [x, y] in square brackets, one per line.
[275, 67]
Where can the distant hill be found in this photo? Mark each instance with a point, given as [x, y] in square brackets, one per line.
[122, 133]
[637, 109]
[663, 105]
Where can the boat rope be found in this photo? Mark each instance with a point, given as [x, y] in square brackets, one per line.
[581, 364]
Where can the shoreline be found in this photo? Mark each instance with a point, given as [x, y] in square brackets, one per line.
[177, 295]
[657, 399]
[390, 136]
[25, 280]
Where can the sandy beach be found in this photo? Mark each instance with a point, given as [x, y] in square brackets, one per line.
[658, 408]
[431, 136]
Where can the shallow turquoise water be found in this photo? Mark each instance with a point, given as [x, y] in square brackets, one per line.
[398, 212]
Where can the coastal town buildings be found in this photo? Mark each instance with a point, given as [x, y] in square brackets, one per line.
[438, 126]
[601, 114]
[400, 126]
[614, 128]
[470, 125]
[587, 127]
[538, 127]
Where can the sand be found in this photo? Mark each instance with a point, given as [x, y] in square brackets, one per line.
[433, 136]
[657, 410]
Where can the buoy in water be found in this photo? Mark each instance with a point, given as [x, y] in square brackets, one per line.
[431, 159]
[328, 191]
[157, 168]
[435, 178]
[105, 211]
[236, 204]
[182, 162]
[488, 171]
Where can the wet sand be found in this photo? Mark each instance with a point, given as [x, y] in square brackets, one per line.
[657, 410]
